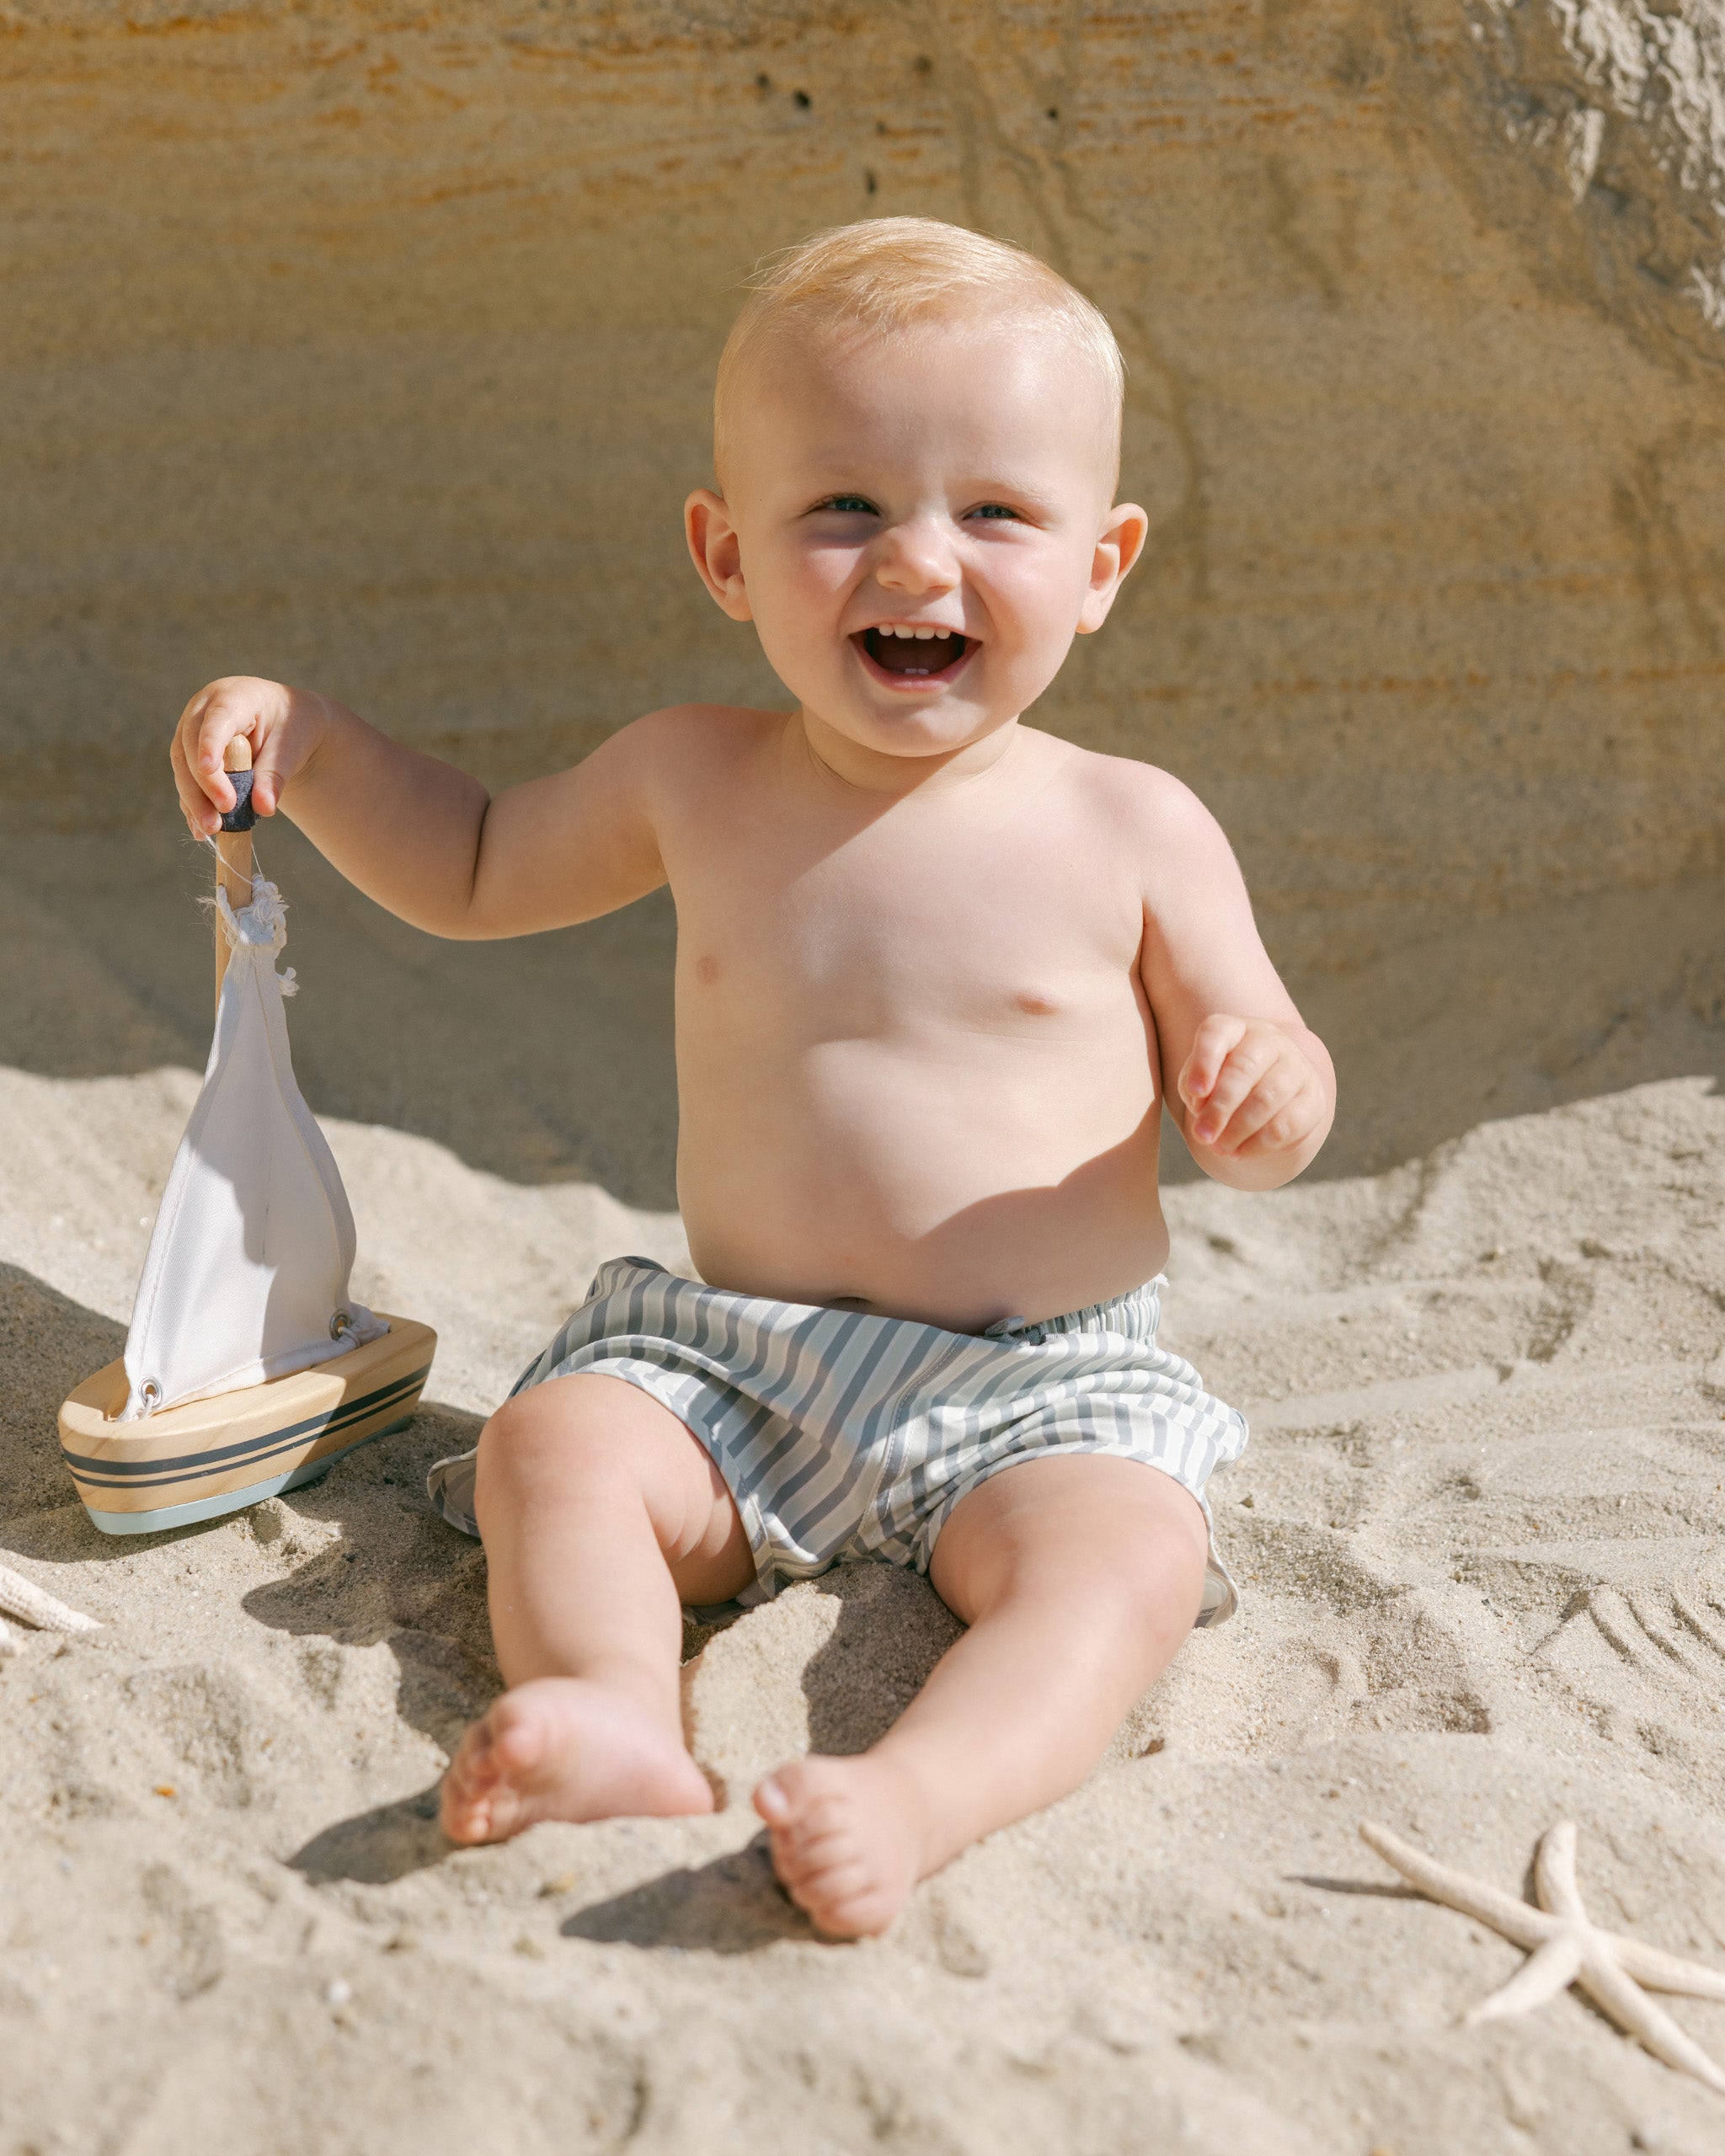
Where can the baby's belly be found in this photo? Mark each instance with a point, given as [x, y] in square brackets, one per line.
[956, 1183]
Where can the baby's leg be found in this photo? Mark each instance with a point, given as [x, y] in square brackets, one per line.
[601, 1515]
[1079, 1575]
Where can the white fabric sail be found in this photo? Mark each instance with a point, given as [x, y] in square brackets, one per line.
[247, 1275]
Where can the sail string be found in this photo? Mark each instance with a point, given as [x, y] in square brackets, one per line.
[262, 922]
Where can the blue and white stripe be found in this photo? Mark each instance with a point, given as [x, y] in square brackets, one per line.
[842, 1434]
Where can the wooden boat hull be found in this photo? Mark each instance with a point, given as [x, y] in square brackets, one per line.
[214, 1456]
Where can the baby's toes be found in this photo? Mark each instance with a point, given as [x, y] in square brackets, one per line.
[843, 1844]
[476, 1780]
[468, 1820]
[803, 1843]
[465, 1806]
[801, 1867]
[847, 1902]
[802, 1802]
[513, 1735]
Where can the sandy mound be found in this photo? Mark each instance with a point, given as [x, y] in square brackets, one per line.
[1477, 1529]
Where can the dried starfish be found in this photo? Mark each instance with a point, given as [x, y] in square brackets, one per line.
[23, 1598]
[1565, 1947]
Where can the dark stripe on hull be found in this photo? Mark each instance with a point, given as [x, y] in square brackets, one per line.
[225, 1460]
[164, 1519]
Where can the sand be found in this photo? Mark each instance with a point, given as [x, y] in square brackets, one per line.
[1477, 1530]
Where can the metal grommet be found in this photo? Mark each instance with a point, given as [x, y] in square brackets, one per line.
[151, 1394]
[342, 1322]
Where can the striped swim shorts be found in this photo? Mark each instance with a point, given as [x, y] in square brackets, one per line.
[843, 1435]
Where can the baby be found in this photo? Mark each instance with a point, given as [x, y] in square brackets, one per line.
[938, 976]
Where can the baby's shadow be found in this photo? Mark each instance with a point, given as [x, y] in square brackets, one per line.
[734, 1905]
[892, 1628]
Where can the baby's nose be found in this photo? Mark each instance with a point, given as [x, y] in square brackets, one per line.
[916, 557]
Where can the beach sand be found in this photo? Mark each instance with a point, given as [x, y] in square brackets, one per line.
[1477, 1532]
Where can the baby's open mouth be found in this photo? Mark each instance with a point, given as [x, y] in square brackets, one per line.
[915, 654]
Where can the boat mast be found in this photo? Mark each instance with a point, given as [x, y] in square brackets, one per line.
[233, 855]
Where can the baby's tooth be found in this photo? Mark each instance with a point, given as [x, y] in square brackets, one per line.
[923, 635]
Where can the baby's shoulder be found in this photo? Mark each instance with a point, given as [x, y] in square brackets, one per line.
[686, 749]
[1136, 802]
[711, 732]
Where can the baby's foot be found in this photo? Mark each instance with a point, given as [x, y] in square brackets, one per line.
[847, 1840]
[563, 1748]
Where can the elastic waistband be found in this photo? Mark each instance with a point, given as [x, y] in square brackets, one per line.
[1133, 1315]
[1136, 1315]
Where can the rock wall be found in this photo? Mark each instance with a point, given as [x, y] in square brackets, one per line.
[371, 346]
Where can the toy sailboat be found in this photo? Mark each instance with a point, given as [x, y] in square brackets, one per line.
[248, 1368]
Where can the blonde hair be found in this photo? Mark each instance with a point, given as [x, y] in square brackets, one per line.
[891, 273]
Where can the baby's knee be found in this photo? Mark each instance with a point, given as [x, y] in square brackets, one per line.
[1164, 1581]
[536, 1442]
[1154, 1557]
[1138, 1564]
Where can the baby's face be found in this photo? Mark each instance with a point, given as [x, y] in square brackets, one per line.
[918, 524]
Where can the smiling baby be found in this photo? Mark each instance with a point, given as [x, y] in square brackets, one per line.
[938, 975]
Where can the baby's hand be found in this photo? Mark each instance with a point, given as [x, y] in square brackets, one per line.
[285, 727]
[1251, 1092]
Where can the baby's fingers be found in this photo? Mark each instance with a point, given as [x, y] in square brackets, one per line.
[206, 726]
[223, 719]
[1269, 1119]
[1246, 1065]
[218, 715]
[1211, 1046]
[281, 745]
[201, 814]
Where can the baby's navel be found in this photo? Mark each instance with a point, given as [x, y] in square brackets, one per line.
[1034, 1004]
[707, 968]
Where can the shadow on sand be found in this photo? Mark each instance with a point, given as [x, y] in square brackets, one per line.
[732, 1906]
[378, 1847]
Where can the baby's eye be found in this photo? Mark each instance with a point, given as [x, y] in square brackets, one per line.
[997, 511]
[849, 506]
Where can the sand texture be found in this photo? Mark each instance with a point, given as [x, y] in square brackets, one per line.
[1477, 1530]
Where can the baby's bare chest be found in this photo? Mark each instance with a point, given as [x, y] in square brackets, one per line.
[1009, 925]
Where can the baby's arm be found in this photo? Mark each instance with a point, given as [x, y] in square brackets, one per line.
[418, 836]
[1250, 1085]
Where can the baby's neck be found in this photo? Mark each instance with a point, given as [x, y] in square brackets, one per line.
[863, 770]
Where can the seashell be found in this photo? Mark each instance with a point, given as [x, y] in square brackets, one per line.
[23, 1598]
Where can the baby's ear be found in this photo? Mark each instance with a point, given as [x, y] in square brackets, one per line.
[1118, 544]
[716, 550]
